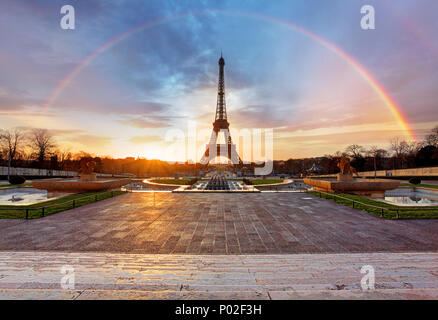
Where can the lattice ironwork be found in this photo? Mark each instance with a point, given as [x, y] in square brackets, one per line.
[220, 125]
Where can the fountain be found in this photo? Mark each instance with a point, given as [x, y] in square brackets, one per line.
[87, 182]
[347, 184]
[87, 170]
[217, 182]
[16, 198]
[20, 196]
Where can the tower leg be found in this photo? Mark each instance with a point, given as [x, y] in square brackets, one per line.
[214, 149]
[210, 151]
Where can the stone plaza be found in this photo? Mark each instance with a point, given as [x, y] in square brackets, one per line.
[267, 245]
[266, 223]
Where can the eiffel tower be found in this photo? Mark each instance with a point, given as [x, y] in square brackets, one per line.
[221, 125]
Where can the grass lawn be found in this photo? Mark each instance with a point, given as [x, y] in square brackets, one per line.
[57, 205]
[432, 186]
[16, 185]
[180, 182]
[265, 181]
[404, 212]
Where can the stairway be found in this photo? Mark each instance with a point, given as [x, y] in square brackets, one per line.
[37, 275]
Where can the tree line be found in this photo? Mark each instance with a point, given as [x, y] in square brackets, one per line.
[400, 154]
[37, 148]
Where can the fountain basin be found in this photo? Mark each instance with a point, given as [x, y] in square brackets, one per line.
[77, 185]
[161, 186]
[286, 184]
[23, 196]
[229, 186]
[370, 188]
[412, 196]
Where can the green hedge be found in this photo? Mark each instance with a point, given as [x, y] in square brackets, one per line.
[53, 206]
[384, 210]
[262, 181]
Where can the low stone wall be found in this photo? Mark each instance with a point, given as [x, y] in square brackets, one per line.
[161, 186]
[70, 185]
[37, 172]
[33, 172]
[274, 186]
[373, 188]
[422, 172]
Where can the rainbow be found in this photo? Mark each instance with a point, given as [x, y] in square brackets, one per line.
[368, 77]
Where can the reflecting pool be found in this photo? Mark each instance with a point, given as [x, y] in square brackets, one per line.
[409, 197]
[25, 196]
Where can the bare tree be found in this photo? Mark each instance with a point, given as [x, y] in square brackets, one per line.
[82, 154]
[397, 147]
[402, 148]
[41, 141]
[64, 155]
[355, 151]
[375, 153]
[11, 141]
[432, 138]
[338, 154]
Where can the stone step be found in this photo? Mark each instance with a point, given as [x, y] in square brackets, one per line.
[37, 275]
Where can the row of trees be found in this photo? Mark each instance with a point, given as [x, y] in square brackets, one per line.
[400, 154]
[37, 144]
[37, 149]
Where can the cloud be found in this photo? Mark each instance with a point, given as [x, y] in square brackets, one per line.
[273, 77]
[144, 122]
[258, 116]
[361, 137]
[15, 102]
[145, 139]
[90, 141]
[307, 145]
[67, 132]
[136, 107]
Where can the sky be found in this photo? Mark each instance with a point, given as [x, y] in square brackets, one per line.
[131, 73]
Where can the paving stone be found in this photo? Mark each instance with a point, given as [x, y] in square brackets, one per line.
[217, 223]
[36, 275]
